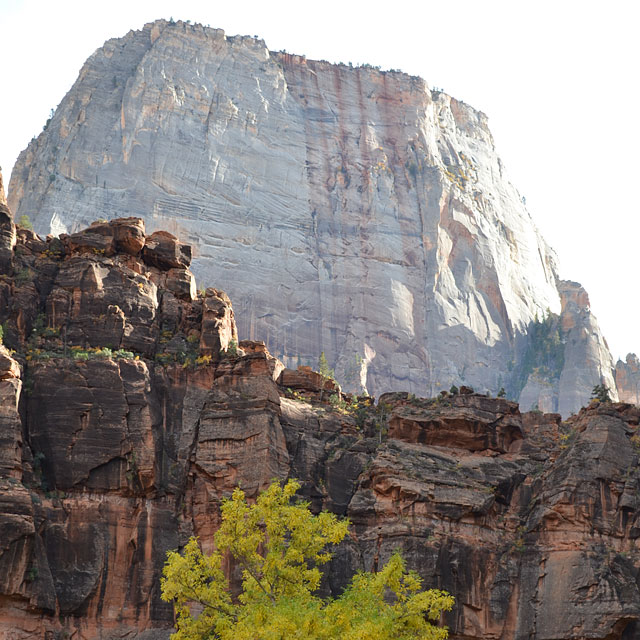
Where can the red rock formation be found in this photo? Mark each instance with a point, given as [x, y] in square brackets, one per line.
[123, 430]
[128, 410]
[125, 235]
[472, 422]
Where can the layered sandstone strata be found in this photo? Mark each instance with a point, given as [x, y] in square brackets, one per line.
[345, 210]
[128, 410]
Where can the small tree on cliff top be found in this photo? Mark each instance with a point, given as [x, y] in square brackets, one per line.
[279, 546]
[324, 369]
[601, 393]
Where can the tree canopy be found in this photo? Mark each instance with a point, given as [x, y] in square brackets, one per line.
[279, 545]
[323, 367]
[601, 393]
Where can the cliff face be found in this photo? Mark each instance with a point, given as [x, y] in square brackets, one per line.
[349, 211]
[7, 233]
[113, 428]
[127, 410]
[566, 356]
[3, 199]
[628, 379]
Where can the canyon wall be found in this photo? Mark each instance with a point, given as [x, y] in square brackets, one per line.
[129, 409]
[3, 199]
[628, 379]
[345, 210]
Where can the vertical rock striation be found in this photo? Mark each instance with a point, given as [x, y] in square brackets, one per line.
[345, 210]
[115, 440]
[628, 379]
[7, 233]
[566, 356]
[3, 199]
[122, 428]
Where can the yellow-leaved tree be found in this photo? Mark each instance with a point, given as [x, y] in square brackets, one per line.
[279, 546]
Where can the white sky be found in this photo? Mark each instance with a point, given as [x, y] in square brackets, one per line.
[558, 80]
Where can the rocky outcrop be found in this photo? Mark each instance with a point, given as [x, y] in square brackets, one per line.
[7, 233]
[3, 199]
[112, 416]
[589, 361]
[539, 541]
[474, 423]
[566, 355]
[345, 210]
[628, 379]
[122, 428]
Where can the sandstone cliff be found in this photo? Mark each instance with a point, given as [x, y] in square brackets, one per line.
[127, 410]
[345, 210]
[628, 379]
[566, 355]
[3, 199]
[7, 233]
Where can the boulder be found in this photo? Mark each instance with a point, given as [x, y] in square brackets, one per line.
[165, 251]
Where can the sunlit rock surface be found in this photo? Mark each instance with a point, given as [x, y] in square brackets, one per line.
[345, 210]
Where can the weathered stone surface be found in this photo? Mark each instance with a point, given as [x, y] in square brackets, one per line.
[9, 368]
[124, 438]
[99, 273]
[257, 346]
[218, 323]
[628, 379]
[7, 233]
[306, 380]
[240, 439]
[98, 439]
[471, 422]
[181, 283]
[123, 235]
[345, 210]
[16, 512]
[566, 357]
[109, 459]
[3, 198]
[10, 423]
[541, 543]
[163, 250]
[588, 361]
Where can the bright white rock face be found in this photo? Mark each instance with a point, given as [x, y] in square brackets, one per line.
[344, 210]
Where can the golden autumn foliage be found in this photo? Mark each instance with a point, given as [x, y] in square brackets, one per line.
[279, 546]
